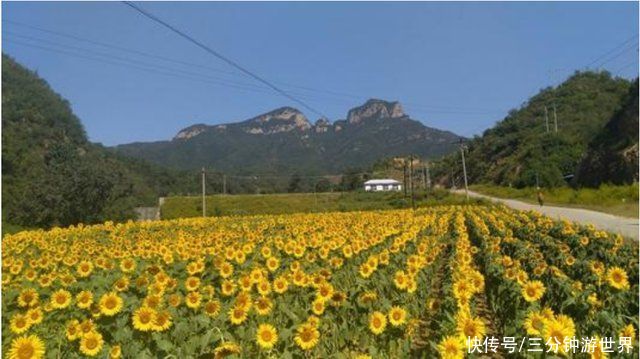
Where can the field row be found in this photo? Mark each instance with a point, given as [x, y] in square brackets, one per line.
[381, 283]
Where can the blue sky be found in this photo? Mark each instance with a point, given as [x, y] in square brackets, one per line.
[455, 66]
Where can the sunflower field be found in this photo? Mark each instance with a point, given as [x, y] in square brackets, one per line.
[384, 284]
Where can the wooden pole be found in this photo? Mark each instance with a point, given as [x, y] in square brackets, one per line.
[204, 203]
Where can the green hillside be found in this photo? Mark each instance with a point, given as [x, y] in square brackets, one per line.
[51, 174]
[612, 156]
[519, 151]
[283, 141]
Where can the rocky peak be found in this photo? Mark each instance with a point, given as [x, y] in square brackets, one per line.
[283, 119]
[191, 131]
[375, 108]
[322, 125]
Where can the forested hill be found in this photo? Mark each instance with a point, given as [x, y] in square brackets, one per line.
[284, 141]
[613, 154]
[51, 174]
[519, 148]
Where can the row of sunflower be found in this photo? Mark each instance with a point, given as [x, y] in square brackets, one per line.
[532, 291]
[315, 285]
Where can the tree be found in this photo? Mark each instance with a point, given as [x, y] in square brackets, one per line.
[294, 183]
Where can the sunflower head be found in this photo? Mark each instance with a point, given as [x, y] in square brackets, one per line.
[266, 336]
[377, 322]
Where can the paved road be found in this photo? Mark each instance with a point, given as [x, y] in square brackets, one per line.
[628, 227]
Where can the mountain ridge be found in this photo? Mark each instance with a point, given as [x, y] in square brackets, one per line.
[375, 128]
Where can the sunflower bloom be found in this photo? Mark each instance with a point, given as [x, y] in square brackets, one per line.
[377, 323]
[617, 278]
[111, 304]
[307, 336]
[397, 316]
[91, 343]
[266, 336]
[143, 319]
[533, 290]
[451, 347]
[27, 347]
[60, 299]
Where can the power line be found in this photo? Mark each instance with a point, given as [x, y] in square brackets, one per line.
[335, 96]
[129, 65]
[119, 48]
[137, 62]
[603, 56]
[625, 66]
[82, 53]
[222, 57]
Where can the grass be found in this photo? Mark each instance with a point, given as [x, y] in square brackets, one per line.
[225, 205]
[617, 200]
[8, 228]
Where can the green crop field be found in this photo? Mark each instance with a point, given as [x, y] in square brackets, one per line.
[618, 200]
[224, 205]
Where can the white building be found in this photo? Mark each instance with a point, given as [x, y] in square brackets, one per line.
[382, 185]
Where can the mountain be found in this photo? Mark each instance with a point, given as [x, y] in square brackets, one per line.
[612, 156]
[522, 150]
[285, 141]
[51, 174]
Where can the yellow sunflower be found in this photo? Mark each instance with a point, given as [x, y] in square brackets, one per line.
[533, 290]
[377, 322]
[628, 331]
[193, 300]
[115, 352]
[307, 336]
[143, 319]
[28, 298]
[162, 321]
[397, 316]
[84, 269]
[192, 283]
[317, 306]
[451, 347]
[27, 347]
[72, 330]
[534, 323]
[111, 304]
[617, 278]
[470, 327]
[19, 323]
[212, 308]
[266, 336]
[556, 330]
[60, 299]
[280, 285]
[91, 343]
[237, 315]
[226, 349]
[263, 306]
[35, 315]
[84, 299]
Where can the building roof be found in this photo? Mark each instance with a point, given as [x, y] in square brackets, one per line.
[381, 181]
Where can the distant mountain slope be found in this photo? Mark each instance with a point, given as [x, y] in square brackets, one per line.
[612, 156]
[284, 141]
[519, 148]
[51, 174]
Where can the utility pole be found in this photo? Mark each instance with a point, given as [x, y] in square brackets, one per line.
[428, 176]
[204, 203]
[224, 184]
[464, 167]
[413, 205]
[404, 176]
[424, 177]
[555, 118]
[546, 117]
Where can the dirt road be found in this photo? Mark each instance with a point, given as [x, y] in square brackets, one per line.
[628, 227]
